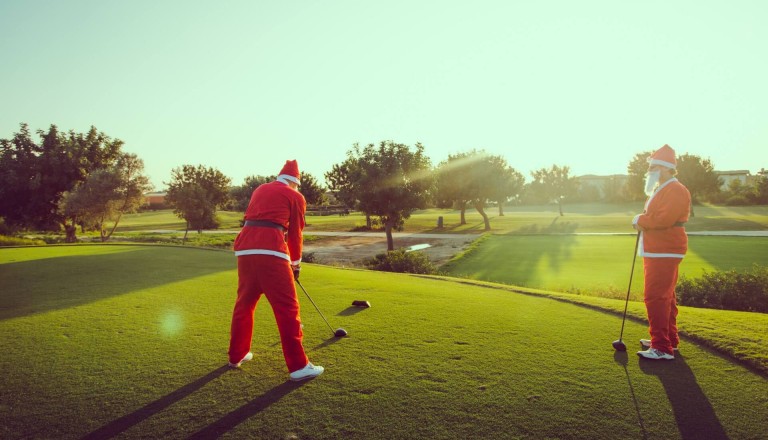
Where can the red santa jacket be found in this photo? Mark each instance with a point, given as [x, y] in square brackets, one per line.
[277, 203]
[665, 213]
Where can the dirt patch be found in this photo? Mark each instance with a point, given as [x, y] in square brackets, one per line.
[350, 251]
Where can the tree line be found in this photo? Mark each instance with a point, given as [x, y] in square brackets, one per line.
[73, 180]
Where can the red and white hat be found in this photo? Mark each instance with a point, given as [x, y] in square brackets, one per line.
[664, 156]
[290, 172]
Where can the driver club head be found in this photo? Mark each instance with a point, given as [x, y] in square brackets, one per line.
[340, 333]
[619, 345]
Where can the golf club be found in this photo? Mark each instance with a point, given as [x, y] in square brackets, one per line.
[339, 332]
[619, 345]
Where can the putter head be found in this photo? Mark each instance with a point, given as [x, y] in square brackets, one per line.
[340, 333]
[619, 345]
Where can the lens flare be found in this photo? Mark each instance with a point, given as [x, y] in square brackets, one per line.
[171, 324]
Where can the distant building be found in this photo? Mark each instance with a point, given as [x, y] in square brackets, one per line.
[727, 177]
[155, 200]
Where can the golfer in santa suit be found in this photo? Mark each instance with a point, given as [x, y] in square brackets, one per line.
[268, 251]
[663, 244]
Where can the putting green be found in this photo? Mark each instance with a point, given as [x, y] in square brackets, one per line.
[131, 341]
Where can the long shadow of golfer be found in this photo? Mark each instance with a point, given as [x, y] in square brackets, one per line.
[123, 423]
[621, 358]
[695, 417]
[250, 409]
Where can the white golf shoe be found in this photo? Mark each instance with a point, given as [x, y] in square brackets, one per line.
[247, 357]
[307, 372]
[646, 343]
[652, 353]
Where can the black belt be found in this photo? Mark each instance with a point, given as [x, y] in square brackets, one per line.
[264, 223]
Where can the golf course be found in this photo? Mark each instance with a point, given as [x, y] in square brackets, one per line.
[511, 341]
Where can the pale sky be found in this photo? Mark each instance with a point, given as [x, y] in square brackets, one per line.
[242, 86]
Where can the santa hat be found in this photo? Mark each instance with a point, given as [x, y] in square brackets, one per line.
[664, 156]
[290, 172]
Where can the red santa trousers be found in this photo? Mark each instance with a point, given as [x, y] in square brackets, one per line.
[660, 302]
[273, 277]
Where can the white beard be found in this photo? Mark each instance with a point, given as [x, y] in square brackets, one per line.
[651, 181]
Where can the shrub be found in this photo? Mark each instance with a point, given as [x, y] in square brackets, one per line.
[19, 241]
[400, 261]
[737, 200]
[727, 290]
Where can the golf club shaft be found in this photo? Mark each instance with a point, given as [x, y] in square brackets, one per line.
[316, 308]
[631, 273]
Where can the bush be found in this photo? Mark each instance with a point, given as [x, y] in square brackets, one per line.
[400, 261]
[737, 200]
[727, 290]
[18, 241]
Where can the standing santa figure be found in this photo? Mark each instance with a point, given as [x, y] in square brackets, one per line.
[268, 251]
[663, 244]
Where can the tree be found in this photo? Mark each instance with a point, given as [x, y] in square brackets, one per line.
[343, 184]
[612, 190]
[637, 169]
[554, 185]
[389, 181]
[195, 193]
[240, 196]
[760, 192]
[312, 191]
[105, 195]
[506, 184]
[698, 175]
[34, 177]
[339, 181]
[453, 174]
[475, 177]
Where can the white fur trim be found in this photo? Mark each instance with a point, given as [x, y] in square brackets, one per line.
[655, 255]
[262, 252]
[284, 177]
[663, 163]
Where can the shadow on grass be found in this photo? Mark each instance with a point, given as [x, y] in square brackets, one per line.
[621, 358]
[351, 310]
[719, 252]
[695, 417]
[126, 422]
[555, 227]
[47, 284]
[250, 409]
[520, 255]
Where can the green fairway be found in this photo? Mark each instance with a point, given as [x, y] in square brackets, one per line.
[520, 219]
[130, 342]
[594, 265]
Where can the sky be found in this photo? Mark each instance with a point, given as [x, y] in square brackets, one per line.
[242, 86]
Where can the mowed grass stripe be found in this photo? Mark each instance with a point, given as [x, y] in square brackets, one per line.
[431, 358]
[596, 265]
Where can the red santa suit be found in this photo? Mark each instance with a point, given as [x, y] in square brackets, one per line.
[266, 248]
[663, 244]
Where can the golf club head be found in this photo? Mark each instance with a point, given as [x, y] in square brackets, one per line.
[340, 333]
[619, 345]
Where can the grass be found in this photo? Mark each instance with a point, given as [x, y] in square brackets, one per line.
[592, 265]
[130, 341]
[520, 220]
